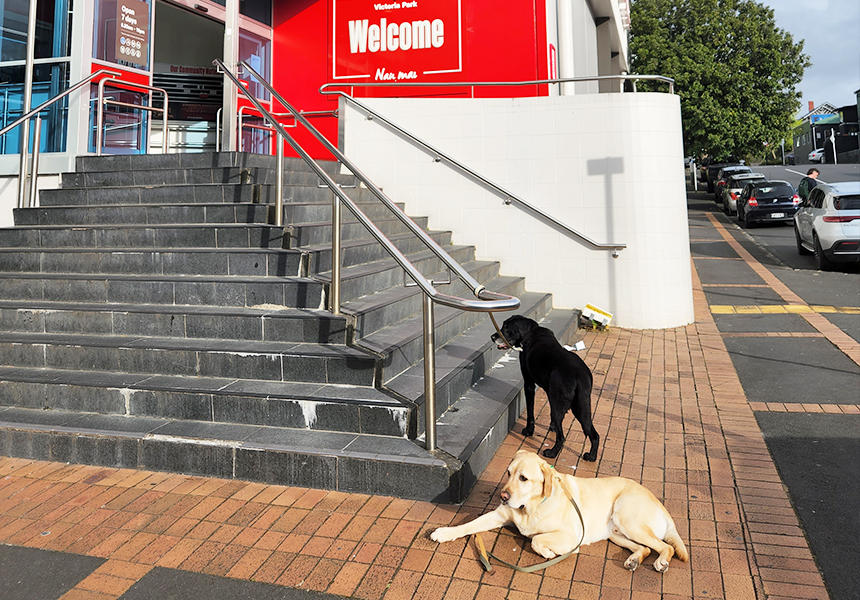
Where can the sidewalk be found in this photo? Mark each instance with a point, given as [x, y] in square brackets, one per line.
[671, 412]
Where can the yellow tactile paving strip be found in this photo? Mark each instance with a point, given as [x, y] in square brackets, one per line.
[834, 335]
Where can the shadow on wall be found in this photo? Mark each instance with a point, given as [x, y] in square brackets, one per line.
[607, 167]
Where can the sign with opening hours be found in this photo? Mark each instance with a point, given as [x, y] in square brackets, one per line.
[132, 32]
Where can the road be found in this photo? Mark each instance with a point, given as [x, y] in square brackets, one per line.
[800, 377]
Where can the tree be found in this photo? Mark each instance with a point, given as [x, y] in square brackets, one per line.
[734, 69]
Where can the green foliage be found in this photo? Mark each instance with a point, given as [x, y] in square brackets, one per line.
[734, 70]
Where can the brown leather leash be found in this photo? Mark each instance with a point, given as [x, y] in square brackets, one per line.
[499, 331]
[485, 555]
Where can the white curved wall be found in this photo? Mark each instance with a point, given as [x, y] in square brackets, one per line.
[608, 165]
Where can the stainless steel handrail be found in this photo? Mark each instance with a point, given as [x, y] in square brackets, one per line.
[135, 87]
[473, 84]
[440, 156]
[25, 144]
[477, 288]
[244, 125]
[488, 301]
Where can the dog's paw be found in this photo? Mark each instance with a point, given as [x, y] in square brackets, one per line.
[550, 453]
[631, 563]
[543, 550]
[443, 534]
[528, 430]
[661, 565]
[590, 456]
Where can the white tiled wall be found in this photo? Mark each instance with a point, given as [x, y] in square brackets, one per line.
[607, 165]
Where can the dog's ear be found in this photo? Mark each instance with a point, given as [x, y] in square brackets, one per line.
[547, 471]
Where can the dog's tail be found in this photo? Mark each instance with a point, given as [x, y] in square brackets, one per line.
[677, 543]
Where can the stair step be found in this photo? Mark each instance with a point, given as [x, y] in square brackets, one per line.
[375, 311]
[195, 357]
[370, 277]
[196, 175]
[316, 406]
[163, 261]
[276, 324]
[297, 292]
[340, 461]
[467, 358]
[216, 213]
[197, 160]
[201, 213]
[198, 193]
[238, 235]
[403, 341]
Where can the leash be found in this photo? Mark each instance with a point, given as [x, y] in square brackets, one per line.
[499, 331]
[485, 555]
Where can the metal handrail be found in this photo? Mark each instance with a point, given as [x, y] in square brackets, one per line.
[474, 84]
[477, 288]
[440, 156]
[488, 301]
[136, 87]
[243, 125]
[25, 144]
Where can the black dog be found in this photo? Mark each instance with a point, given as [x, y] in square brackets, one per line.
[563, 375]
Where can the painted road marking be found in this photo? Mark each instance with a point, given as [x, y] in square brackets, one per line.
[803, 175]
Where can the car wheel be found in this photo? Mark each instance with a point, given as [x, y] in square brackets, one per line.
[801, 249]
[747, 222]
[821, 261]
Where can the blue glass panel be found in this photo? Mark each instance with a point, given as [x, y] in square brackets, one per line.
[49, 80]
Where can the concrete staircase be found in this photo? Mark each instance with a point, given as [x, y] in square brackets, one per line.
[151, 317]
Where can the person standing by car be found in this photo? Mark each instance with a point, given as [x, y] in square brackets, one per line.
[807, 183]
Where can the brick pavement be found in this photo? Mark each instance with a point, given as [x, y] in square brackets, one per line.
[672, 414]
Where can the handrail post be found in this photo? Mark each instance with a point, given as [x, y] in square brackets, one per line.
[429, 375]
[34, 165]
[279, 181]
[334, 288]
[100, 116]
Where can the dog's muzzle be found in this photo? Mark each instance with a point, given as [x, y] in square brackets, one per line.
[500, 343]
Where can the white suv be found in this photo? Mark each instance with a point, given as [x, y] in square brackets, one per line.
[816, 155]
[828, 224]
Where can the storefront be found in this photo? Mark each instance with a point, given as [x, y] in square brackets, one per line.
[297, 44]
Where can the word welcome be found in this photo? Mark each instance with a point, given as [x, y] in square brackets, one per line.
[385, 36]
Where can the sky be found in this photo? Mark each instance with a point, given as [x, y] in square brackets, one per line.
[831, 30]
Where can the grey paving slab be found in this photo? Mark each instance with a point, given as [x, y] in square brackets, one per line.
[794, 370]
[850, 324]
[32, 574]
[742, 295]
[719, 249]
[761, 323]
[726, 271]
[823, 287]
[172, 584]
[816, 456]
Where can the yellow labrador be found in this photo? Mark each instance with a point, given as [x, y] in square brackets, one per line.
[537, 500]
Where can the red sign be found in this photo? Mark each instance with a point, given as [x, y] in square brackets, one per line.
[402, 40]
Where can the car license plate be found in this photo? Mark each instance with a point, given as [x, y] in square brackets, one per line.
[777, 215]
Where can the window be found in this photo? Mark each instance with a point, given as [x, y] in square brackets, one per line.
[816, 198]
[50, 76]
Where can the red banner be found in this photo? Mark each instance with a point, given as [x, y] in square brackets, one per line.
[402, 40]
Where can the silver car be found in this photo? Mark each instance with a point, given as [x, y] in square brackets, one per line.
[828, 224]
[734, 186]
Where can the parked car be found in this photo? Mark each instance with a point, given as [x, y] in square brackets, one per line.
[733, 188]
[722, 177]
[816, 155]
[828, 224]
[789, 158]
[772, 201]
[710, 170]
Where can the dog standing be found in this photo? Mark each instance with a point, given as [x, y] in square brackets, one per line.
[563, 375]
[539, 501]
